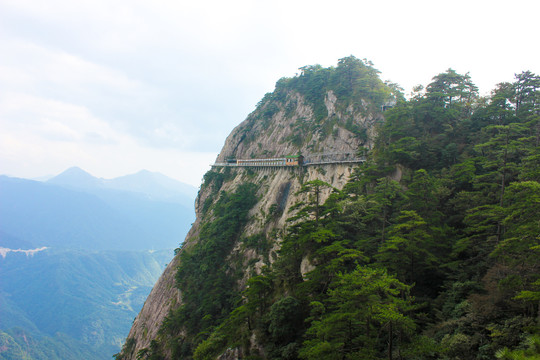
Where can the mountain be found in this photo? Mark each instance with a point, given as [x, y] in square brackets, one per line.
[251, 206]
[47, 215]
[83, 300]
[11, 242]
[409, 232]
[90, 216]
[151, 185]
[17, 344]
[77, 178]
[77, 259]
[155, 185]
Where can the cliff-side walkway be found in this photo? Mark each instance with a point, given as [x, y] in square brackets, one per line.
[308, 160]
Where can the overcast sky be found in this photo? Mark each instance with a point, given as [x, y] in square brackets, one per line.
[116, 86]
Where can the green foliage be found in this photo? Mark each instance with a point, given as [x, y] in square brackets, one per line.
[532, 352]
[446, 209]
[87, 299]
[128, 348]
[18, 344]
[207, 281]
[285, 320]
[360, 305]
[355, 82]
[409, 249]
[215, 179]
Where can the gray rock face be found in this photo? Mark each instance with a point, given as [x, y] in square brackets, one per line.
[291, 128]
[274, 129]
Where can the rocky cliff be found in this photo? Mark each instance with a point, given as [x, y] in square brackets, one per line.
[297, 118]
[289, 127]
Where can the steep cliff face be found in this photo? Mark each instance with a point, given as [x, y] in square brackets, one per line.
[291, 120]
[280, 264]
[288, 125]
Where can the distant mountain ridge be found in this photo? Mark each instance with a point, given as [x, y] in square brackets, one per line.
[75, 177]
[78, 257]
[152, 184]
[71, 304]
[75, 210]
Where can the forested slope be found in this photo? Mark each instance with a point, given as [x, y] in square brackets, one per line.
[431, 250]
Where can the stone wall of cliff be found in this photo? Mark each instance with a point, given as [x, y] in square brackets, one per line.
[280, 126]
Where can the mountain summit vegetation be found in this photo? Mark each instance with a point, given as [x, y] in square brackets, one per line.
[430, 249]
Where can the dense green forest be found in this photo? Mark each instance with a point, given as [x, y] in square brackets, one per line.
[431, 251]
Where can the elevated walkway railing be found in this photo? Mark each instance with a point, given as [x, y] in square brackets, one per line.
[306, 163]
[330, 162]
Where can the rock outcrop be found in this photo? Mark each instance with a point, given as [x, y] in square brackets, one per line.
[292, 128]
[284, 123]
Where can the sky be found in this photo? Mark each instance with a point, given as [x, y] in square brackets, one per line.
[117, 86]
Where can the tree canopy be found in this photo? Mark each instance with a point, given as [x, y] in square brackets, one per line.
[441, 262]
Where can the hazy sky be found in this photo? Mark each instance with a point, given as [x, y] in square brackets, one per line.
[116, 86]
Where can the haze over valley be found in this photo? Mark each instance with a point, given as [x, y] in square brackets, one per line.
[79, 255]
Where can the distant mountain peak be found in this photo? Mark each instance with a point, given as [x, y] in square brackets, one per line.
[152, 184]
[74, 171]
[75, 177]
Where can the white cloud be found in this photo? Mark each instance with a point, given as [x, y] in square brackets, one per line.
[54, 135]
[36, 69]
[49, 118]
[124, 85]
